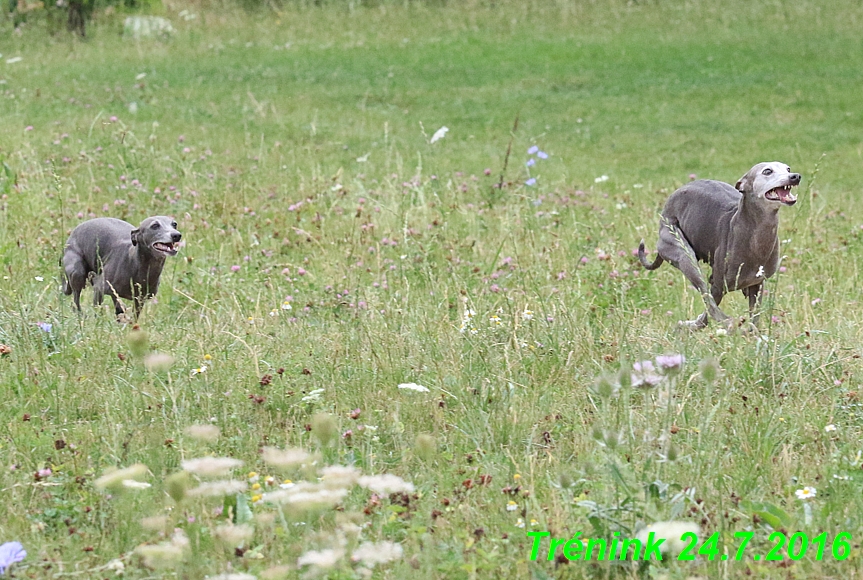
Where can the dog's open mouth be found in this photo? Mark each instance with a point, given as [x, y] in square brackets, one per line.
[170, 249]
[782, 194]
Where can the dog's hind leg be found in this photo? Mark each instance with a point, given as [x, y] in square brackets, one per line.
[674, 248]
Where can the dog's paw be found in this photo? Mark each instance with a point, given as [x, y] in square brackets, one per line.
[691, 325]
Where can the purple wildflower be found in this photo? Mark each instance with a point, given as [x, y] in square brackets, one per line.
[542, 154]
[668, 362]
[531, 181]
[531, 162]
[10, 553]
[532, 150]
[644, 375]
[45, 326]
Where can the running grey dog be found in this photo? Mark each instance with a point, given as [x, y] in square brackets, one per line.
[118, 259]
[734, 229]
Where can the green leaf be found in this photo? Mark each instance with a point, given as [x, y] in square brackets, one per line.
[244, 512]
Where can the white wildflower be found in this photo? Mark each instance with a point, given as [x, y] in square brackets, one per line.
[132, 484]
[198, 371]
[806, 493]
[313, 396]
[413, 387]
[158, 362]
[386, 484]
[527, 314]
[320, 558]
[211, 466]
[337, 476]
[670, 532]
[218, 488]
[285, 458]
[830, 428]
[601, 178]
[116, 478]
[439, 134]
[234, 535]
[371, 554]
[207, 433]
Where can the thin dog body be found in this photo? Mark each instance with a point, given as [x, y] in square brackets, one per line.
[734, 229]
[118, 259]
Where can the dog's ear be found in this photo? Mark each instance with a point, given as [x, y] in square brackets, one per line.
[743, 183]
[135, 234]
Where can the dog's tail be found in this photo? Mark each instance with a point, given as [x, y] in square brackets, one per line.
[643, 258]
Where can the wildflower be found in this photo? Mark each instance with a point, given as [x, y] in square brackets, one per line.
[207, 357]
[495, 320]
[313, 396]
[601, 178]
[533, 522]
[841, 477]
[235, 268]
[253, 477]
[532, 150]
[670, 532]
[287, 484]
[385, 484]
[339, 476]
[132, 484]
[371, 554]
[284, 458]
[320, 558]
[517, 476]
[806, 493]
[670, 362]
[219, 488]
[830, 428]
[158, 362]
[413, 387]
[165, 554]
[531, 162]
[234, 535]
[39, 279]
[527, 314]
[519, 523]
[286, 305]
[439, 134]
[306, 496]
[44, 326]
[542, 154]
[14, 59]
[115, 479]
[233, 576]
[208, 433]
[530, 182]
[211, 466]
[511, 506]
[11, 553]
[644, 375]
[154, 523]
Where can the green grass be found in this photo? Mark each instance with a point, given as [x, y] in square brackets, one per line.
[334, 108]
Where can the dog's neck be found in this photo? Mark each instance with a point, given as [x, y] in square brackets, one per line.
[756, 220]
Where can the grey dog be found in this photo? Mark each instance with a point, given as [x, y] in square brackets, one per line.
[734, 229]
[118, 259]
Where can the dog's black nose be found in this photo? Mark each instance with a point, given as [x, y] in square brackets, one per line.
[176, 236]
[795, 178]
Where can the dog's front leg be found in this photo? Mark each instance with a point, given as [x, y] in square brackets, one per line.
[754, 294]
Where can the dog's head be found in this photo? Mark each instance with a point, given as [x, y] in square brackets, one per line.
[158, 234]
[770, 183]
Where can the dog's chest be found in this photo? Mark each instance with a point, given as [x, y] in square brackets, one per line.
[753, 262]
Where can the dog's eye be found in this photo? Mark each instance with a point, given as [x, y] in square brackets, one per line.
[173, 224]
[155, 226]
[767, 171]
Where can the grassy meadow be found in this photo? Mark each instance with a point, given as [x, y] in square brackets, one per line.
[334, 250]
